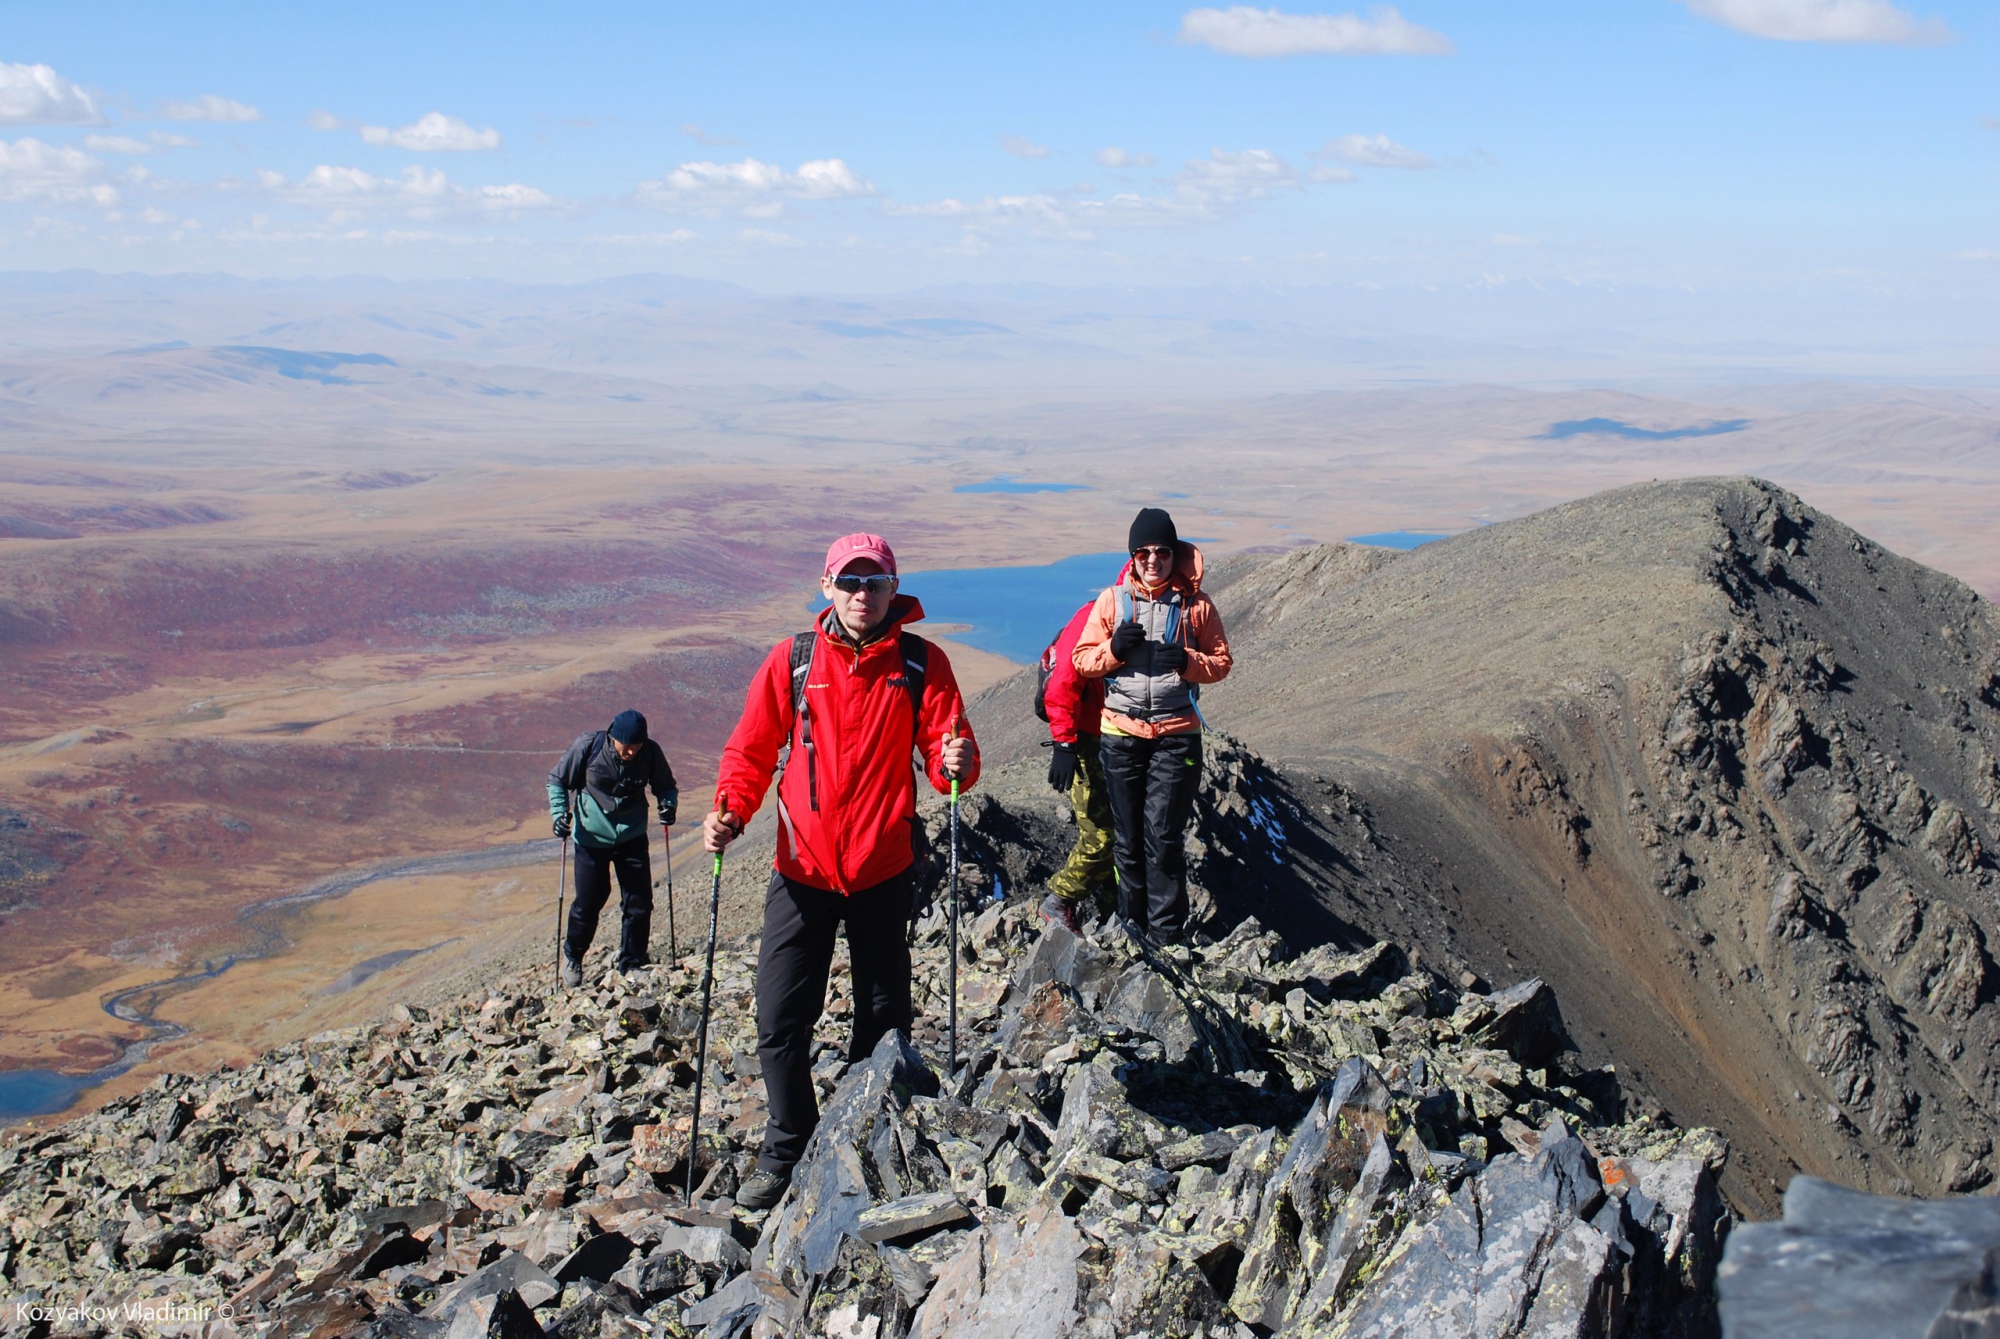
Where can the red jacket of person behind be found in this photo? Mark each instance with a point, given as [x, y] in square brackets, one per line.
[1074, 703]
[862, 733]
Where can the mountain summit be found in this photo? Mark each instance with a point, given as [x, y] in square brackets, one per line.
[1719, 768]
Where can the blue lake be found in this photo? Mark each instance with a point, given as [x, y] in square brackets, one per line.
[1008, 484]
[1611, 427]
[36, 1092]
[1395, 539]
[1012, 611]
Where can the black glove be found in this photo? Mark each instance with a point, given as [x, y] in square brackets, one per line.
[670, 810]
[1062, 767]
[1170, 657]
[1126, 639]
[561, 826]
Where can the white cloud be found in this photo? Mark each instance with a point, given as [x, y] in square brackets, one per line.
[1324, 173]
[1224, 178]
[325, 121]
[419, 191]
[434, 132]
[1023, 147]
[1203, 191]
[36, 93]
[756, 189]
[764, 237]
[1245, 30]
[63, 175]
[209, 107]
[1823, 21]
[1370, 151]
[117, 144]
[1117, 157]
[1513, 239]
[167, 140]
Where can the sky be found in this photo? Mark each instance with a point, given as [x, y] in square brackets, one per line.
[1819, 147]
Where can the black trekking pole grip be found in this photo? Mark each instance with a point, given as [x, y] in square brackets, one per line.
[701, 1044]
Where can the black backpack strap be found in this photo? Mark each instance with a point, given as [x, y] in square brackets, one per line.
[916, 654]
[803, 646]
[582, 776]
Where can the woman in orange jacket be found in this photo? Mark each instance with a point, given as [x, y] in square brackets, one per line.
[1153, 638]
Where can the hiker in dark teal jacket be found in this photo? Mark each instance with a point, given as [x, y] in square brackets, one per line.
[598, 791]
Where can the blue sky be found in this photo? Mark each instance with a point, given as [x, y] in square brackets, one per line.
[1708, 145]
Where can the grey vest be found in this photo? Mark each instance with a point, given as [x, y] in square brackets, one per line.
[1138, 689]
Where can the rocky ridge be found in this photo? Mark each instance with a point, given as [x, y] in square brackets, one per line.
[1231, 1140]
[1722, 770]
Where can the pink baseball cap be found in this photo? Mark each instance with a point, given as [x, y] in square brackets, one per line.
[850, 547]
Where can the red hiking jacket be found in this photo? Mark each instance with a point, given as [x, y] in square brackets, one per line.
[861, 727]
[1073, 702]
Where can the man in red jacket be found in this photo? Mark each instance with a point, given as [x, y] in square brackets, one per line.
[1075, 706]
[846, 823]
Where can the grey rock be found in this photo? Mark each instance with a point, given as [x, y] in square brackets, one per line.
[1210, 1149]
[501, 1315]
[1526, 1023]
[1142, 1000]
[601, 1257]
[1008, 1281]
[1843, 1264]
[1073, 960]
[910, 1215]
[1296, 1217]
[727, 1312]
[511, 1272]
[832, 1185]
[1510, 1255]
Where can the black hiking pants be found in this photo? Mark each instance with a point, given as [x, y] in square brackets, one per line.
[1151, 784]
[593, 867]
[792, 969]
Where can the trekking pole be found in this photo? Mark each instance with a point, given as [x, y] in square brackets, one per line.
[951, 1030]
[701, 1045]
[562, 873]
[673, 940]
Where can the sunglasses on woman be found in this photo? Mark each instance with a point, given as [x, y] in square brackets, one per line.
[1157, 552]
[854, 585]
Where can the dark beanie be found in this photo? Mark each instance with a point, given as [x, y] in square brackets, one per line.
[1151, 526]
[628, 727]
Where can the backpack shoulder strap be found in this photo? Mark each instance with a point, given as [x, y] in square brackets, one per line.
[803, 646]
[916, 654]
[1124, 603]
[582, 777]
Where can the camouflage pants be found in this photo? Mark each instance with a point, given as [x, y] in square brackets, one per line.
[1088, 868]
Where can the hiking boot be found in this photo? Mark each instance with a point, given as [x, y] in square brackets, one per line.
[763, 1189]
[572, 972]
[1059, 910]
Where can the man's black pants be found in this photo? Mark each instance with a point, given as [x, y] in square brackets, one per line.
[1151, 785]
[792, 968]
[593, 867]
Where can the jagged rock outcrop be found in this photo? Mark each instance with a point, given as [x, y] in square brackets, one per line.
[1187, 1143]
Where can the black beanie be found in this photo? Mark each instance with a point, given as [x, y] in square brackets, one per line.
[628, 727]
[1151, 526]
